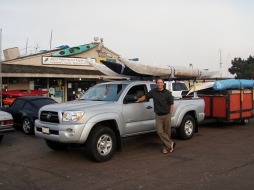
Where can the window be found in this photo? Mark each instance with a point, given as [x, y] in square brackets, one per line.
[152, 86]
[104, 92]
[42, 102]
[136, 91]
[28, 106]
[179, 86]
[18, 104]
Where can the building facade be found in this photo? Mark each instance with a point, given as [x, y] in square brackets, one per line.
[62, 72]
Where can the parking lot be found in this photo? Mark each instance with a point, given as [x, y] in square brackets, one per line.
[220, 156]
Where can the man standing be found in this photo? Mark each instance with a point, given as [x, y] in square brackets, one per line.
[163, 108]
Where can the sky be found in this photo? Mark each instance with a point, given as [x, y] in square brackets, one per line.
[158, 32]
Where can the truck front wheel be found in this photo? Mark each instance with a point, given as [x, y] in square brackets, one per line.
[101, 144]
[56, 145]
[187, 128]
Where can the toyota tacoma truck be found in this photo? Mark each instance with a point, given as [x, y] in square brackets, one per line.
[108, 112]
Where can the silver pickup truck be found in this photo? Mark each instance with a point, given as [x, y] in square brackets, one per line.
[108, 112]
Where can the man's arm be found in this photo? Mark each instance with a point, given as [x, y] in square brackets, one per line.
[171, 108]
[141, 99]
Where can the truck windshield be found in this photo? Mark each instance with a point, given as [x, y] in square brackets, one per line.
[104, 92]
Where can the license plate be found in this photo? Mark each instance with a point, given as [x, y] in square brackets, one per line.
[45, 130]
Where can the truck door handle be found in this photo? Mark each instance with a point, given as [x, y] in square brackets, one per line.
[149, 107]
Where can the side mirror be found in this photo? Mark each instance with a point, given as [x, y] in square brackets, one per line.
[130, 99]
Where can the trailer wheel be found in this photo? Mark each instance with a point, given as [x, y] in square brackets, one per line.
[244, 121]
[187, 128]
[101, 144]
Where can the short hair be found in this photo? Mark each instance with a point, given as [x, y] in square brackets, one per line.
[159, 79]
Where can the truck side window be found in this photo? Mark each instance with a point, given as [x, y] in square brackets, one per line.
[152, 86]
[136, 92]
[184, 87]
[177, 87]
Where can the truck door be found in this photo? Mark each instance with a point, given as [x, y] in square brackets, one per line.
[139, 117]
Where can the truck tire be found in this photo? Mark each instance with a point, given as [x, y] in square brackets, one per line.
[187, 128]
[101, 144]
[56, 145]
[1, 138]
[28, 126]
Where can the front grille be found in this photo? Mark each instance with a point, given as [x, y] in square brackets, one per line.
[49, 116]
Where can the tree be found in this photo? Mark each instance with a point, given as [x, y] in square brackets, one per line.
[243, 69]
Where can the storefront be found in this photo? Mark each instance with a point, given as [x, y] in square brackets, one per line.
[64, 78]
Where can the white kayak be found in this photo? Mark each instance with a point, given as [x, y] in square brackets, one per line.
[174, 71]
[201, 86]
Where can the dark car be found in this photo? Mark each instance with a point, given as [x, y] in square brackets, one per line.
[24, 111]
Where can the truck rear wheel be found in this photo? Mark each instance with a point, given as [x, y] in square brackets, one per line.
[101, 144]
[187, 128]
[56, 145]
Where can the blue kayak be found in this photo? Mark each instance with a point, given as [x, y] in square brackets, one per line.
[230, 84]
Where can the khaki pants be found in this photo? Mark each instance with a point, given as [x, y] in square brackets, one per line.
[163, 125]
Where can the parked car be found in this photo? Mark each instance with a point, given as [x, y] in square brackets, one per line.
[5, 124]
[24, 111]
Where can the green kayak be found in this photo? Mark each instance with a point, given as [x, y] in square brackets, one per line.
[74, 50]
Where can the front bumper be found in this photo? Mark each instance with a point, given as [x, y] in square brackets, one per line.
[59, 132]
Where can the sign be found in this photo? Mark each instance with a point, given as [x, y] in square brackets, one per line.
[64, 61]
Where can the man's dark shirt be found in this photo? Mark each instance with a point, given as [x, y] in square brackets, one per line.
[162, 100]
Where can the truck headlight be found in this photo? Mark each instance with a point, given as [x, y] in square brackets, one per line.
[73, 115]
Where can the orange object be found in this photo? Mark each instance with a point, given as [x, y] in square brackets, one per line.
[8, 101]
[18, 93]
[229, 105]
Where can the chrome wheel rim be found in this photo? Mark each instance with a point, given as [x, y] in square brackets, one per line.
[188, 128]
[26, 126]
[104, 144]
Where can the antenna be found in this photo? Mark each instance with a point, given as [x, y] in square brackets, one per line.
[50, 40]
[36, 48]
[220, 64]
[26, 45]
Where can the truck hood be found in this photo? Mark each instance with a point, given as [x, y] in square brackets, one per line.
[75, 105]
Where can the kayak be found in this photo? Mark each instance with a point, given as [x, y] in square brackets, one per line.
[74, 50]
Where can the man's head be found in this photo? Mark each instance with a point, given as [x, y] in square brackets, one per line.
[160, 84]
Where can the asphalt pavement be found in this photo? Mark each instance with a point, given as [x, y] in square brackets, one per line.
[220, 156]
